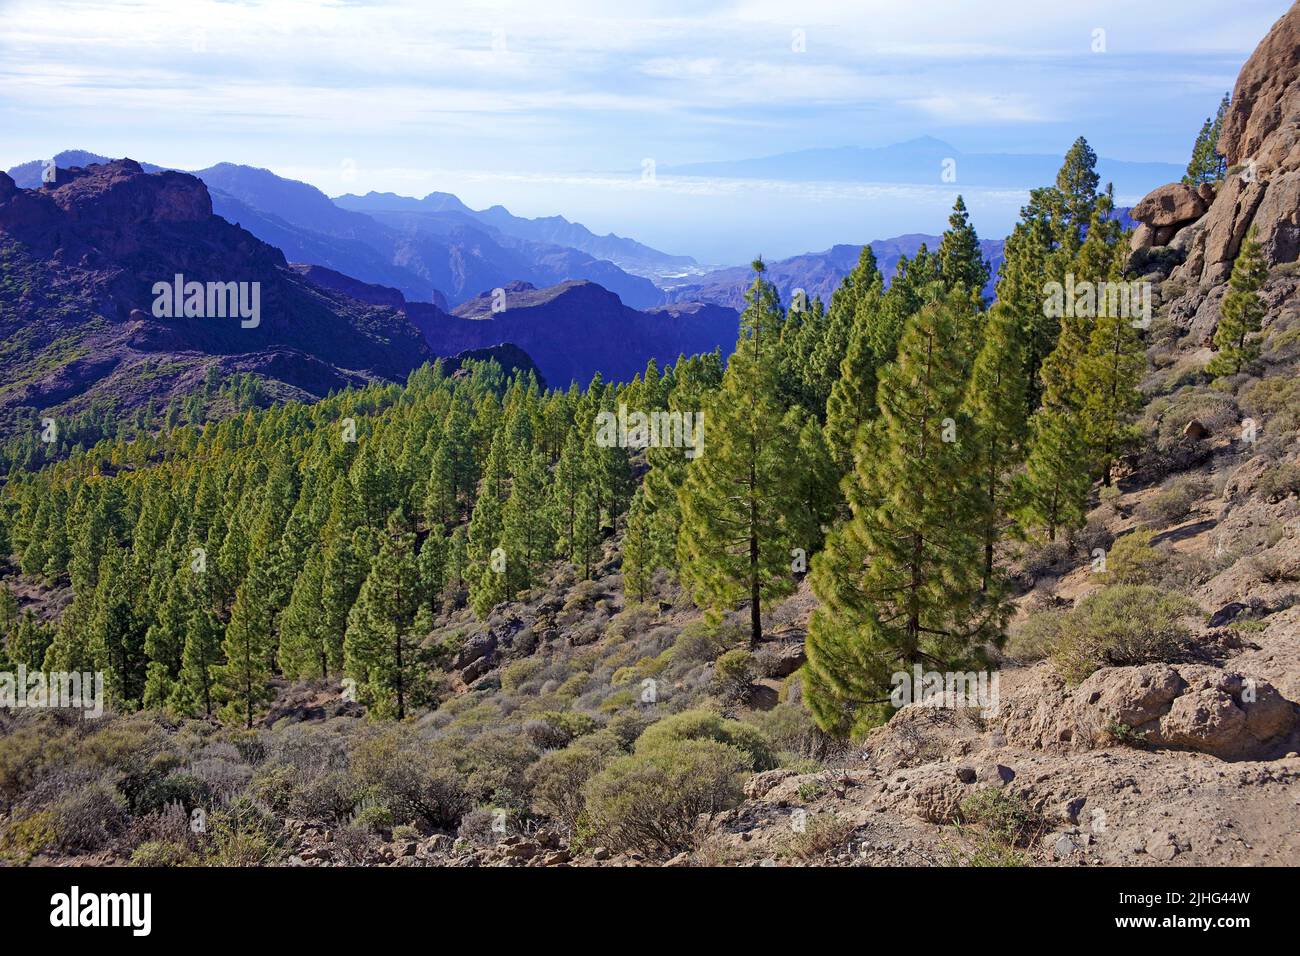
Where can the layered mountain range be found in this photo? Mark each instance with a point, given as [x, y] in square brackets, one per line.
[435, 249]
[818, 274]
[81, 258]
[83, 321]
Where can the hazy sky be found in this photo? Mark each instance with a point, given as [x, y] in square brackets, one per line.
[552, 107]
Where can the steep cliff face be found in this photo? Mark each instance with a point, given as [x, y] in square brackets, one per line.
[1261, 141]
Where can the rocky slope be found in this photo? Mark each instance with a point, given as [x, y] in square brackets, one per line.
[1191, 759]
[81, 258]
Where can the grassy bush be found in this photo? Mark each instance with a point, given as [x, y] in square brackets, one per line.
[733, 676]
[557, 779]
[244, 834]
[518, 673]
[627, 727]
[698, 643]
[707, 725]
[1033, 638]
[396, 770]
[1133, 559]
[1121, 625]
[792, 732]
[162, 853]
[1280, 481]
[496, 762]
[649, 801]
[1274, 401]
[996, 824]
[555, 729]
[372, 817]
[823, 833]
[24, 837]
[1044, 557]
[1174, 501]
[90, 817]
[1167, 418]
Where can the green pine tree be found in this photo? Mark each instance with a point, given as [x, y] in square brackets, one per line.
[303, 650]
[961, 261]
[852, 401]
[248, 649]
[116, 637]
[164, 641]
[1242, 311]
[1206, 165]
[995, 404]
[899, 583]
[379, 650]
[192, 693]
[28, 642]
[1110, 372]
[740, 514]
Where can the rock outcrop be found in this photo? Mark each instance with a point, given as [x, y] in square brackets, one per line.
[1261, 142]
[1173, 205]
[1164, 706]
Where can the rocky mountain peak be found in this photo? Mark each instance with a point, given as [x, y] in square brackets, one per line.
[121, 191]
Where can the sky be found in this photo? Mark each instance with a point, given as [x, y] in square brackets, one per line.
[554, 107]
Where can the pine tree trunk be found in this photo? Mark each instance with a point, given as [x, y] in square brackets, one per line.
[401, 694]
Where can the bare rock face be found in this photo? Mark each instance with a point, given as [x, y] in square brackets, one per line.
[1143, 237]
[1261, 140]
[1266, 79]
[120, 192]
[1170, 205]
[1183, 706]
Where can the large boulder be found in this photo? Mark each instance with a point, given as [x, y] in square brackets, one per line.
[476, 648]
[1174, 204]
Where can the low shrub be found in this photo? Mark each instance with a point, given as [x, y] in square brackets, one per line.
[495, 763]
[1280, 481]
[1121, 625]
[555, 729]
[1033, 638]
[627, 727]
[649, 801]
[393, 767]
[243, 834]
[708, 725]
[518, 673]
[1133, 559]
[733, 676]
[698, 643]
[822, 833]
[162, 853]
[995, 824]
[24, 837]
[556, 781]
[1173, 502]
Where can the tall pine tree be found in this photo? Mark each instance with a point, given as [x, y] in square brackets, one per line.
[740, 514]
[899, 583]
